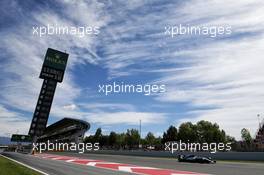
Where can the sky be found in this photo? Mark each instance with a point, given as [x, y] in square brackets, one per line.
[219, 79]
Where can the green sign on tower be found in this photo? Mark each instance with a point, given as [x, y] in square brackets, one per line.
[54, 65]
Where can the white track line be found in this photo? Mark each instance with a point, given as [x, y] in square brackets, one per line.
[71, 160]
[91, 163]
[129, 168]
[30, 167]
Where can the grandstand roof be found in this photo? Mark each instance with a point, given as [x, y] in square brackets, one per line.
[64, 123]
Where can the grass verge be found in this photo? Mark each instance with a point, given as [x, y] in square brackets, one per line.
[8, 167]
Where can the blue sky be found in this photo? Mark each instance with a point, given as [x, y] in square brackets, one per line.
[217, 79]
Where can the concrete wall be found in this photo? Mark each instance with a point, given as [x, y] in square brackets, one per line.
[247, 156]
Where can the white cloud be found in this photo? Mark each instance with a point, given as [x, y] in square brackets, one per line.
[70, 107]
[12, 122]
[96, 113]
[130, 118]
[108, 106]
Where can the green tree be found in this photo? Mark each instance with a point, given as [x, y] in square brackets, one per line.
[104, 140]
[132, 138]
[209, 133]
[170, 134]
[245, 135]
[230, 139]
[188, 132]
[158, 141]
[143, 141]
[233, 142]
[121, 140]
[98, 135]
[112, 139]
[88, 139]
[150, 138]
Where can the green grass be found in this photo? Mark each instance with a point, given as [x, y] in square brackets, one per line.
[8, 167]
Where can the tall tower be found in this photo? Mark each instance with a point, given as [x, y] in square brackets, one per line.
[52, 72]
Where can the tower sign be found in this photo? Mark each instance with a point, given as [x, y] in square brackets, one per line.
[52, 72]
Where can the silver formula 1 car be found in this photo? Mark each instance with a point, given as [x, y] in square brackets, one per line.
[195, 159]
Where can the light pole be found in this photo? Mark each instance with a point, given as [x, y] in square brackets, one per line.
[139, 133]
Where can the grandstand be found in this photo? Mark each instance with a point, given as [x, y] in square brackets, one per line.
[66, 130]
